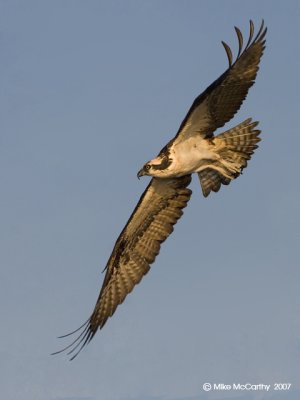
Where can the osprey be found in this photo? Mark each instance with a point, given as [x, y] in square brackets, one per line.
[216, 159]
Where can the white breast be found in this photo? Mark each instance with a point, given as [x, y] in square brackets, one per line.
[187, 156]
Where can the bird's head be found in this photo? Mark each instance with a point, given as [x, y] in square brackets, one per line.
[146, 170]
[157, 167]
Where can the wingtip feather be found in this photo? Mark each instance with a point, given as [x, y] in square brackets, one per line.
[240, 39]
[228, 52]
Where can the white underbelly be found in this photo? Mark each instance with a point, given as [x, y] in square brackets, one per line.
[189, 155]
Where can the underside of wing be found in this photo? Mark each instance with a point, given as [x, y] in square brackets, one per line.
[223, 98]
[139, 243]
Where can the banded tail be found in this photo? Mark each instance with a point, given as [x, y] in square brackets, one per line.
[234, 147]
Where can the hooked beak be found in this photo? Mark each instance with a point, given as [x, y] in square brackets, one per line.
[141, 173]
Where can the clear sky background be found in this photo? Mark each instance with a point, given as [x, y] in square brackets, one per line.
[90, 90]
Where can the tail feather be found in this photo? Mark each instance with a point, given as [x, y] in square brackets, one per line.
[242, 138]
[211, 181]
[236, 147]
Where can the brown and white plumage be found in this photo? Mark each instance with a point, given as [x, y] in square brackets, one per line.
[150, 224]
[224, 97]
[139, 243]
[217, 160]
[237, 145]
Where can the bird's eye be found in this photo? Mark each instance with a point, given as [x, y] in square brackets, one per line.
[147, 167]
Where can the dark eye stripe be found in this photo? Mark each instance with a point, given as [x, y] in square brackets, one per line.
[164, 164]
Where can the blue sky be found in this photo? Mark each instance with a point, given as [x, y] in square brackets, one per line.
[90, 90]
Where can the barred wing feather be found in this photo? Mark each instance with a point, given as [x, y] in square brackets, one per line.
[224, 97]
[136, 248]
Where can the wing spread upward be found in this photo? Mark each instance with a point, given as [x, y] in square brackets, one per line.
[223, 98]
[136, 248]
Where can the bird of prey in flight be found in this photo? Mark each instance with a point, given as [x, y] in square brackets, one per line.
[215, 159]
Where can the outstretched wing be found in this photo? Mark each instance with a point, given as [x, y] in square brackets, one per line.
[223, 98]
[136, 248]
